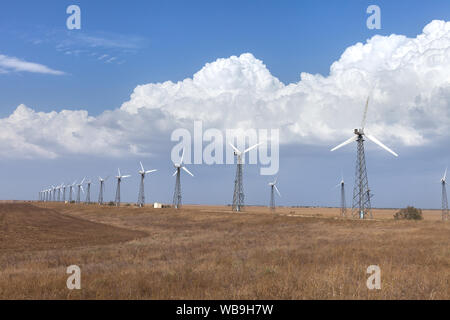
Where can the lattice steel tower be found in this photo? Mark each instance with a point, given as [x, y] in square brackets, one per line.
[273, 188]
[238, 196]
[177, 193]
[343, 201]
[102, 189]
[361, 194]
[444, 197]
[361, 206]
[141, 195]
[119, 180]
[88, 192]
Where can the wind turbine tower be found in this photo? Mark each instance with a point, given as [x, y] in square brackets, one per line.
[444, 197]
[64, 187]
[79, 189]
[273, 188]
[88, 191]
[361, 206]
[343, 201]
[71, 191]
[177, 193]
[119, 180]
[102, 189]
[141, 196]
[238, 195]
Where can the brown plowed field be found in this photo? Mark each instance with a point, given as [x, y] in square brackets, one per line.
[25, 227]
[208, 252]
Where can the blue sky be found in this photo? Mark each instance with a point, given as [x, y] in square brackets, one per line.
[125, 44]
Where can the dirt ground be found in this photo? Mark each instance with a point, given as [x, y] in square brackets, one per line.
[207, 252]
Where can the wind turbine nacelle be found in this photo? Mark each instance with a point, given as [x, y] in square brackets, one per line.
[359, 132]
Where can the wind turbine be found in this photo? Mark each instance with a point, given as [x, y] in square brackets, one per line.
[54, 193]
[102, 189]
[238, 196]
[59, 192]
[88, 191]
[361, 193]
[71, 191]
[343, 201]
[119, 180]
[177, 193]
[141, 196]
[444, 197]
[64, 187]
[273, 187]
[79, 189]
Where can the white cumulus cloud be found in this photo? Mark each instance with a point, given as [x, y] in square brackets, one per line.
[409, 81]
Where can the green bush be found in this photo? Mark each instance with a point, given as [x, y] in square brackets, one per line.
[409, 213]
[111, 203]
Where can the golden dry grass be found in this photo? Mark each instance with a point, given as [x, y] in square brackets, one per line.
[204, 252]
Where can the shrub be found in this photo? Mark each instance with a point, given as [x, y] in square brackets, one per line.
[409, 213]
[111, 203]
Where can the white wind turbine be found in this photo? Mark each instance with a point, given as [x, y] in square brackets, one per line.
[119, 180]
[177, 193]
[361, 195]
[238, 195]
[80, 188]
[71, 191]
[141, 195]
[102, 189]
[444, 196]
[273, 188]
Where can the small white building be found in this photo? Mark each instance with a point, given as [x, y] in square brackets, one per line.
[157, 205]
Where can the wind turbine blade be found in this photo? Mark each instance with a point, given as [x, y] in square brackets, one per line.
[118, 170]
[378, 142]
[235, 149]
[82, 189]
[251, 148]
[354, 138]
[278, 191]
[363, 122]
[184, 168]
[182, 157]
[445, 175]
[82, 181]
[142, 167]
[176, 171]
[150, 171]
[127, 176]
[276, 180]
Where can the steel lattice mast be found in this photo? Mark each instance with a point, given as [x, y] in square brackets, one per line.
[176, 202]
[273, 188]
[343, 201]
[71, 192]
[88, 192]
[238, 195]
[64, 193]
[361, 206]
[102, 189]
[444, 197]
[79, 189]
[119, 180]
[141, 195]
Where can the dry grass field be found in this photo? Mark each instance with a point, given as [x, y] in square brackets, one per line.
[203, 252]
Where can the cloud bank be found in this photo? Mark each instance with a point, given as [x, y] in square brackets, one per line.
[409, 81]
